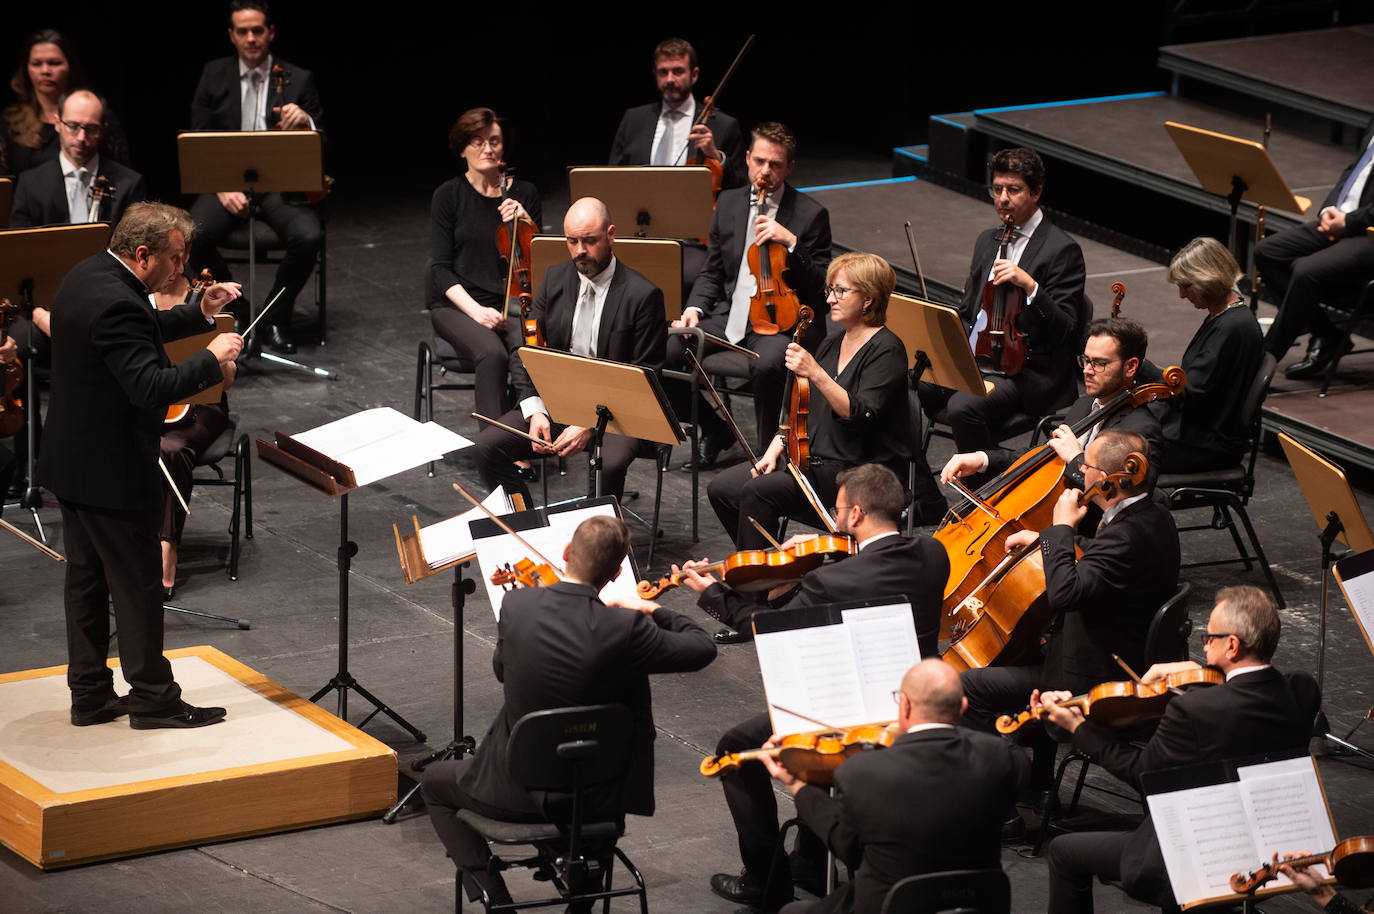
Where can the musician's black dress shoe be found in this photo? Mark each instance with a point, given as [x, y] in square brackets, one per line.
[747, 889]
[278, 340]
[730, 636]
[185, 718]
[115, 707]
[1321, 350]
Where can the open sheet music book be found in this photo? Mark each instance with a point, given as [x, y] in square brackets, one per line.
[451, 539]
[836, 664]
[381, 442]
[1225, 818]
[1355, 575]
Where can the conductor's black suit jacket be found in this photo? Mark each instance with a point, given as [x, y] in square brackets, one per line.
[40, 196]
[111, 385]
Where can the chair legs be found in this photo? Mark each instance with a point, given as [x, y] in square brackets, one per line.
[1224, 504]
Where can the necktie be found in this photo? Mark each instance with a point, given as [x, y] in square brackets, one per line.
[663, 150]
[583, 319]
[746, 284]
[78, 205]
[248, 119]
[1356, 173]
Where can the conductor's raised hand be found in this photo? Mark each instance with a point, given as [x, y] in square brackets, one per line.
[217, 296]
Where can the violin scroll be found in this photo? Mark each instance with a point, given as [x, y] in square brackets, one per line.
[1118, 293]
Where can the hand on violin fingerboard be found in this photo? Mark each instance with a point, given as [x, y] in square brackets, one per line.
[694, 581]
[1068, 718]
[779, 773]
[769, 229]
[1006, 271]
[702, 138]
[292, 117]
[511, 209]
[800, 362]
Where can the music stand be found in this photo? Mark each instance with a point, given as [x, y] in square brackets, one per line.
[603, 396]
[937, 342]
[1338, 513]
[33, 263]
[668, 201]
[1234, 169]
[6, 201]
[255, 162]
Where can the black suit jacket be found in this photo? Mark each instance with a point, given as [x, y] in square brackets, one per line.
[1359, 219]
[1051, 322]
[1132, 419]
[633, 144]
[633, 326]
[806, 265]
[1109, 595]
[934, 800]
[1254, 713]
[561, 646]
[917, 568]
[40, 196]
[217, 102]
[111, 385]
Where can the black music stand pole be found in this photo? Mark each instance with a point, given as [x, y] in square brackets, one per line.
[460, 745]
[343, 680]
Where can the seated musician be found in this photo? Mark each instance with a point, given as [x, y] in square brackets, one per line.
[467, 280]
[1112, 359]
[560, 646]
[859, 411]
[963, 780]
[1256, 710]
[1104, 599]
[9, 351]
[867, 505]
[1043, 264]
[1204, 429]
[591, 305]
[719, 302]
[1320, 891]
[182, 443]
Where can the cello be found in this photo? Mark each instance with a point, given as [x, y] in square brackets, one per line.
[774, 306]
[1000, 344]
[513, 240]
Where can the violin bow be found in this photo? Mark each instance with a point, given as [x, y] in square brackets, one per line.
[809, 491]
[765, 534]
[819, 723]
[507, 528]
[41, 547]
[710, 104]
[504, 427]
[719, 406]
[916, 258]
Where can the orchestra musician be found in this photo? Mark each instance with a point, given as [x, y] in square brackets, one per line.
[1256, 710]
[590, 305]
[112, 383]
[1046, 266]
[1204, 428]
[868, 504]
[47, 70]
[859, 410]
[236, 93]
[1104, 599]
[719, 302]
[467, 280]
[9, 351]
[1321, 892]
[560, 646]
[1112, 359]
[963, 779]
[181, 445]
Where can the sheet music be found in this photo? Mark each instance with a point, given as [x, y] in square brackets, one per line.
[449, 539]
[1284, 801]
[884, 639]
[1359, 593]
[381, 442]
[1203, 834]
[811, 671]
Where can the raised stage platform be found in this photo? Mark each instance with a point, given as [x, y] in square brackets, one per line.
[71, 795]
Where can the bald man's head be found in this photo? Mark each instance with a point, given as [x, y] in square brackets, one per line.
[590, 235]
[85, 114]
[934, 693]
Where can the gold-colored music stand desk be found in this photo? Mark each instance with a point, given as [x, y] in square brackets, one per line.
[650, 201]
[937, 343]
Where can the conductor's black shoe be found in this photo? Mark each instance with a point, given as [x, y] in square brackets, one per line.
[115, 707]
[747, 889]
[186, 718]
[730, 636]
[278, 340]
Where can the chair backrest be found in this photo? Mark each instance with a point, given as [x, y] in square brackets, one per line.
[559, 749]
[951, 892]
[1167, 638]
[1254, 399]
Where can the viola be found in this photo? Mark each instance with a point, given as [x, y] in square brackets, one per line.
[11, 376]
[812, 756]
[1000, 344]
[178, 412]
[1351, 862]
[526, 573]
[278, 92]
[752, 570]
[774, 306]
[708, 108]
[101, 190]
[798, 400]
[1121, 704]
[513, 240]
[1003, 614]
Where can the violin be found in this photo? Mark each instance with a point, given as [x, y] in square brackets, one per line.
[708, 108]
[774, 306]
[179, 411]
[525, 573]
[278, 92]
[1121, 704]
[753, 570]
[1022, 497]
[11, 376]
[1003, 614]
[1118, 294]
[798, 400]
[513, 240]
[1000, 344]
[1351, 862]
[813, 756]
[101, 190]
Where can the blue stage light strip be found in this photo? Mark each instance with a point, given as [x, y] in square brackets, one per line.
[1073, 101]
[904, 151]
[945, 119]
[904, 180]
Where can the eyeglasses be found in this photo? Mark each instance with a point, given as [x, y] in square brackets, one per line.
[1097, 364]
[836, 509]
[897, 697]
[1011, 190]
[493, 143]
[1208, 636]
[91, 130]
[1088, 466]
[837, 291]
